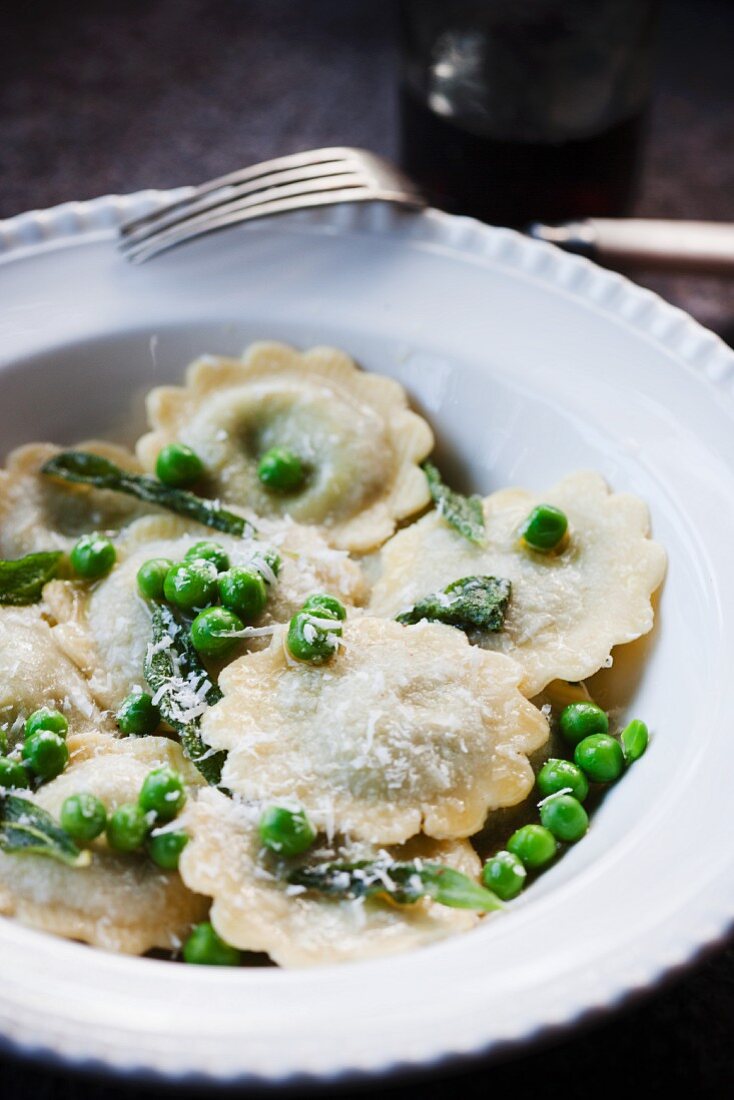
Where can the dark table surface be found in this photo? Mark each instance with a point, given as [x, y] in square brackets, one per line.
[115, 95]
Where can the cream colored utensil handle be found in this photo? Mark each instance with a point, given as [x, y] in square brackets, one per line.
[683, 247]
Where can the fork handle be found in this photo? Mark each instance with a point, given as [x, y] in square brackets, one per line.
[682, 247]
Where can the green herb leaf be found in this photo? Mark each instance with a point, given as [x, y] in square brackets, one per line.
[26, 829]
[469, 603]
[464, 514]
[22, 581]
[90, 469]
[404, 883]
[182, 689]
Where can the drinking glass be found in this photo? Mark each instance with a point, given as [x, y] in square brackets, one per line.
[517, 110]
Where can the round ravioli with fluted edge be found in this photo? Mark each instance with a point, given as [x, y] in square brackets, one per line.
[36, 673]
[406, 729]
[121, 902]
[357, 442]
[42, 513]
[255, 911]
[106, 628]
[568, 609]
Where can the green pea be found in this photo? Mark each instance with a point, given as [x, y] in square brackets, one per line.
[209, 551]
[93, 556]
[205, 948]
[127, 828]
[244, 592]
[600, 757]
[138, 715]
[287, 832]
[12, 774]
[152, 576]
[178, 466]
[324, 606]
[504, 874]
[191, 584]
[565, 817]
[307, 641]
[83, 816]
[165, 849]
[211, 631]
[579, 720]
[46, 754]
[545, 528]
[634, 738]
[162, 793]
[533, 845]
[281, 471]
[270, 559]
[46, 719]
[557, 775]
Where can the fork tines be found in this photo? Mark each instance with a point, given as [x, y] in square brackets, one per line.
[319, 177]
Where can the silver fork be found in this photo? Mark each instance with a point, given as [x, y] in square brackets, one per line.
[319, 177]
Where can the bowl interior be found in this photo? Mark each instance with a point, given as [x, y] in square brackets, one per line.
[493, 429]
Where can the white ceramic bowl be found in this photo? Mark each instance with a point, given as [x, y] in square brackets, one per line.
[529, 363]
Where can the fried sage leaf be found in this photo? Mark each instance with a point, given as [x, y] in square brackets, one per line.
[26, 829]
[22, 580]
[403, 883]
[464, 514]
[182, 689]
[91, 469]
[471, 603]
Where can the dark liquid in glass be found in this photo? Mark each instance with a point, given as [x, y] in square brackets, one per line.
[514, 183]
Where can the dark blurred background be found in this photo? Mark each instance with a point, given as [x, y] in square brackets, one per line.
[115, 95]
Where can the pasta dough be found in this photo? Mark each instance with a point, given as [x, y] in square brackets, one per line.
[40, 513]
[35, 673]
[353, 430]
[406, 728]
[254, 911]
[106, 629]
[567, 610]
[120, 902]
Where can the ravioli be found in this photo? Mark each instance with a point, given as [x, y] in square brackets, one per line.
[35, 673]
[106, 629]
[405, 729]
[399, 744]
[360, 443]
[119, 902]
[40, 513]
[568, 610]
[252, 910]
